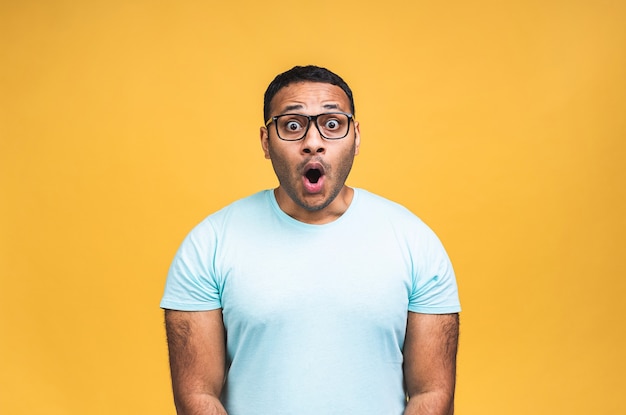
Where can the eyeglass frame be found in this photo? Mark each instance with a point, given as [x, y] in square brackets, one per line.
[311, 118]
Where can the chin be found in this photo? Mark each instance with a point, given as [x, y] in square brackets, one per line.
[315, 206]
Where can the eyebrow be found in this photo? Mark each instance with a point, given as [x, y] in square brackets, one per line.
[300, 106]
[293, 107]
[331, 106]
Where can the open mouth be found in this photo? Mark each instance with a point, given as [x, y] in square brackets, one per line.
[313, 175]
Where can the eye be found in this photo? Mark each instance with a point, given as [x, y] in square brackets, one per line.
[292, 125]
[331, 124]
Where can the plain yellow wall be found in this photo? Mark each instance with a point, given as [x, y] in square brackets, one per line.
[124, 123]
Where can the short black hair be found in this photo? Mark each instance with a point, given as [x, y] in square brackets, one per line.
[309, 73]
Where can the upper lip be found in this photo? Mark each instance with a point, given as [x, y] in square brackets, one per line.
[313, 165]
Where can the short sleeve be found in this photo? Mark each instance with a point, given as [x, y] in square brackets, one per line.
[191, 281]
[434, 287]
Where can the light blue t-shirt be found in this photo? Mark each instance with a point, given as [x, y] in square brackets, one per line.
[315, 315]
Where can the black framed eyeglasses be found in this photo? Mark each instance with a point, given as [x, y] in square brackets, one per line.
[294, 127]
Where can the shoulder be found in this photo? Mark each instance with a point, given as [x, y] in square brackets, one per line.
[379, 211]
[240, 211]
[380, 206]
[254, 202]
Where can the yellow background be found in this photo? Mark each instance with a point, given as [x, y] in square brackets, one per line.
[501, 124]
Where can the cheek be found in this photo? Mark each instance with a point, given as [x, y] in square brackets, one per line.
[347, 160]
[279, 162]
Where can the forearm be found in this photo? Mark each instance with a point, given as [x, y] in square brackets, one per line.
[198, 404]
[430, 403]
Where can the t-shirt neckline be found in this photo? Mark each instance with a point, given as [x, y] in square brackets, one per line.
[289, 219]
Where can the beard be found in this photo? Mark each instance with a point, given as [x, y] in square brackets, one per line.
[290, 177]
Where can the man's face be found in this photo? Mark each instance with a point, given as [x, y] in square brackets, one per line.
[312, 171]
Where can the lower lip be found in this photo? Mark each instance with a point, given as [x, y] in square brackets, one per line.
[313, 187]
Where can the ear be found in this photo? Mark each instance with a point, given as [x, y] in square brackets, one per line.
[357, 137]
[265, 142]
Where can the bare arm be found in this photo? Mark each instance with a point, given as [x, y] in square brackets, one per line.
[430, 363]
[197, 351]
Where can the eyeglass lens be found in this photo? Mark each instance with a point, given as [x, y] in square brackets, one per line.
[295, 126]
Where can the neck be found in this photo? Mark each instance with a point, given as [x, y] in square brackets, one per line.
[327, 214]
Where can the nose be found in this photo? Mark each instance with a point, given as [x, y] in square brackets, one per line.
[313, 142]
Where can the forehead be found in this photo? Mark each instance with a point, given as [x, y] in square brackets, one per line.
[310, 96]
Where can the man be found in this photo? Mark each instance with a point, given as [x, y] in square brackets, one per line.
[314, 297]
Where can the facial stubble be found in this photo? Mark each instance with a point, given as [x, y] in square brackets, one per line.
[289, 178]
